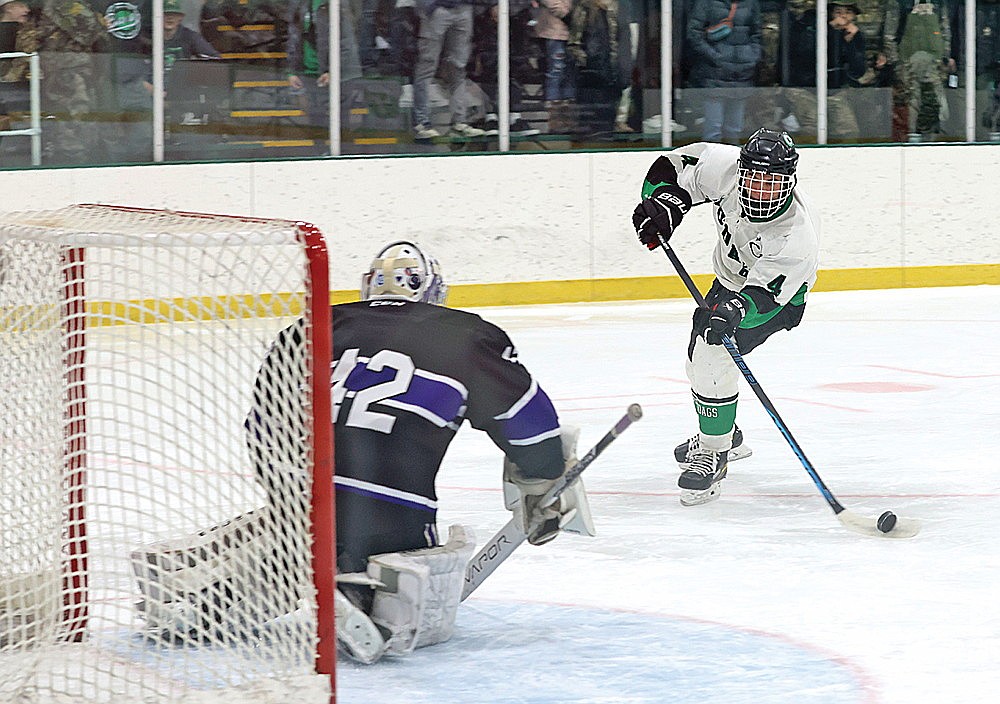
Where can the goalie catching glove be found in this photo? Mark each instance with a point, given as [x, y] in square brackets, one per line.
[570, 512]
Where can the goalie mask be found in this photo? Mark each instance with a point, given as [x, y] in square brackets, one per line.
[404, 272]
[766, 174]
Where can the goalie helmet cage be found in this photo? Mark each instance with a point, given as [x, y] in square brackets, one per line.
[130, 343]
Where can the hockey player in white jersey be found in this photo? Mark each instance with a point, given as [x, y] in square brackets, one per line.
[765, 261]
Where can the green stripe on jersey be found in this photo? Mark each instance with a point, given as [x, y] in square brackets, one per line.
[754, 318]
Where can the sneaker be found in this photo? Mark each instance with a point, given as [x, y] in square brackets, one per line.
[521, 128]
[684, 451]
[488, 125]
[705, 472]
[654, 124]
[425, 132]
[460, 129]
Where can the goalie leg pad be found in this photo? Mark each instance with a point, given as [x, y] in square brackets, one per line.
[200, 583]
[358, 635]
[422, 590]
[30, 606]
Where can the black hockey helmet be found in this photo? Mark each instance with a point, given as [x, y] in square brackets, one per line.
[767, 174]
[770, 151]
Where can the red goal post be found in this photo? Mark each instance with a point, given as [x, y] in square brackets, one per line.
[129, 344]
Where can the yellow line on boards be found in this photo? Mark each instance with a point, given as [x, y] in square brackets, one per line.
[102, 313]
[657, 287]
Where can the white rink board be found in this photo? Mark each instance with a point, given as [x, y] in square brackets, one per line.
[543, 217]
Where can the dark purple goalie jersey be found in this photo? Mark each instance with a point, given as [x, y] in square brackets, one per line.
[405, 377]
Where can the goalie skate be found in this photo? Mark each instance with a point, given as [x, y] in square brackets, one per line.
[683, 452]
[701, 481]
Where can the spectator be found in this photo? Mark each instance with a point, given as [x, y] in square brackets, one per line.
[593, 44]
[20, 33]
[846, 65]
[882, 20]
[483, 73]
[845, 46]
[725, 40]
[401, 55]
[17, 33]
[374, 31]
[925, 48]
[987, 56]
[560, 80]
[69, 34]
[308, 50]
[179, 41]
[129, 136]
[445, 42]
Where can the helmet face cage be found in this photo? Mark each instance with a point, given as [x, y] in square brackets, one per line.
[763, 194]
[766, 173]
[404, 272]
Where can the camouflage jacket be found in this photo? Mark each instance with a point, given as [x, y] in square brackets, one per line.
[28, 40]
[70, 26]
[585, 34]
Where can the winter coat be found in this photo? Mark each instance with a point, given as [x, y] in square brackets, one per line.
[551, 18]
[845, 60]
[731, 61]
[593, 41]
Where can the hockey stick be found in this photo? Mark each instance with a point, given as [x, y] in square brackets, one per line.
[500, 546]
[888, 525]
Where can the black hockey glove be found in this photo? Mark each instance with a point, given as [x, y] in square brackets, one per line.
[726, 316]
[657, 216]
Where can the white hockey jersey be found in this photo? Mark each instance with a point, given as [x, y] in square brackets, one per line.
[780, 255]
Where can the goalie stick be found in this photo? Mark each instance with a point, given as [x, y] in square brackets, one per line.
[903, 527]
[500, 546]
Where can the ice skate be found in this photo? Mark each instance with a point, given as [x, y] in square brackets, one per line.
[683, 451]
[700, 481]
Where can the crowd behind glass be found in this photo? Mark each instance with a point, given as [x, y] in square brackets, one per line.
[248, 79]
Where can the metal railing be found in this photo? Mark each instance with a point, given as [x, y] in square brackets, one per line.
[35, 98]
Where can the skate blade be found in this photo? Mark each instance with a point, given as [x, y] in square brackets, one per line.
[692, 497]
[735, 454]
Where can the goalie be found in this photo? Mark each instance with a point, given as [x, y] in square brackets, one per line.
[407, 373]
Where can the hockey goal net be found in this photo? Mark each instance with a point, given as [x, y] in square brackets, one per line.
[142, 558]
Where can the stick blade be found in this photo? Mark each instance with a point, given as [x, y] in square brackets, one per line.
[904, 528]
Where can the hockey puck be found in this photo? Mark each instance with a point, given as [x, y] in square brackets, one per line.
[886, 522]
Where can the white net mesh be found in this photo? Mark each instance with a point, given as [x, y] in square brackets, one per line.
[141, 559]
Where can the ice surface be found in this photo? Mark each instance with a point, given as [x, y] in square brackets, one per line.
[761, 596]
